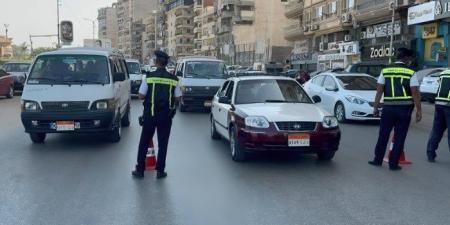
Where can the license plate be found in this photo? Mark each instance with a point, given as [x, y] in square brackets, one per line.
[298, 140]
[207, 104]
[65, 125]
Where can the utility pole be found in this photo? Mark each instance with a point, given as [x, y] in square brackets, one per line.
[6, 29]
[57, 19]
[391, 43]
[93, 27]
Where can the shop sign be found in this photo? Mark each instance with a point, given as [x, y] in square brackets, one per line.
[330, 57]
[430, 30]
[300, 47]
[333, 46]
[381, 30]
[379, 52]
[421, 13]
[442, 9]
[349, 48]
[300, 57]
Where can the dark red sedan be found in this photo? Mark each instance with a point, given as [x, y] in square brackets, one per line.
[6, 84]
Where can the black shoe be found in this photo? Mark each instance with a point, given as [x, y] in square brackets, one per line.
[138, 175]
[373, 163]
[395, 168]
[431, 159]
[160, 175]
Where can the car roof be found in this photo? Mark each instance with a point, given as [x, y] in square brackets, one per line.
[344, 74]
[199, 58]
[259, 78]
[132, 60]
[83, 51]
[18, 62]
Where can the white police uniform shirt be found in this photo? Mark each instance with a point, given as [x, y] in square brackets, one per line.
[413, 82]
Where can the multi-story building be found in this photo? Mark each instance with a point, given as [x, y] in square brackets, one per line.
[180, 27]
[137, 31]
[204, 28]
[150, 36]
[107, 24]
[6, 50]
[124, 22]
[246, 35]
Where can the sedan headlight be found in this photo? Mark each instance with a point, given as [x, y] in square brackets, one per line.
[256, 122]
[355, 100]
[107, 104]
[330, 122]
[30, 106]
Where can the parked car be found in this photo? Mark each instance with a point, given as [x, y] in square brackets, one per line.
[373, 69]
[430, 83]
[348, 96]
[292, 73]
[78, 90]
[200, 78]
[134, 69]
[19, 71]
[272, 113]
[6, 84]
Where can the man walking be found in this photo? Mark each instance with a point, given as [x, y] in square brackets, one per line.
[399, 85]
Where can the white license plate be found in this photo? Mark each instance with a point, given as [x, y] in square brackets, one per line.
[208, 104]
[65, 125]
[298, 140]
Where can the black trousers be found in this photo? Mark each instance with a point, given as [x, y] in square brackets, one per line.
[162, 123]
[440, 124]
[397, 117]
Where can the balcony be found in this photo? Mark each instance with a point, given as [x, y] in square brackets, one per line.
[246, 2]
[293, 31]
[294, 9]
[183, 23]
[228, 2]
[226, 14]
[245, 17]
[224, 29]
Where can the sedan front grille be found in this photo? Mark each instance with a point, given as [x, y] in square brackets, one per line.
[296, 126]
[65, 106]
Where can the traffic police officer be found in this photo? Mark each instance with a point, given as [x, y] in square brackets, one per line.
[399, 84]
[160, 93]
[441, 115]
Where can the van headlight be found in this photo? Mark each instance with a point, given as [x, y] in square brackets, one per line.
[30, 106]
[106, 104]
[256, 122]
[186, 89]
[330, 122]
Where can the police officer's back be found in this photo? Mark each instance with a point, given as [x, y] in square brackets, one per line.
[441, 115]
[159, 92]
[399, 85]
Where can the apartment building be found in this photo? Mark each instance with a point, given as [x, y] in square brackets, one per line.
[150, 36]
[180, 27]
[198, 22]
[124, 24]
[6, 50]
[107, 24]
[249, 31]
[204, 28]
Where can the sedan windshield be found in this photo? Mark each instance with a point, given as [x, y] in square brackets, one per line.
[205, 69]
[270, 90]
[357, 83]
[70, 69]
[16, 67]
[134, 68]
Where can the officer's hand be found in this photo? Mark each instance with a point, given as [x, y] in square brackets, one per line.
[418, 116]
[376, 111]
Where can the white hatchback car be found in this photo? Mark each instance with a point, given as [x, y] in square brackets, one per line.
[430, 84]
[349, 96]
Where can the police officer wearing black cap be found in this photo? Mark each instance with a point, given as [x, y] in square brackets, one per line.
[160, 93]
[441, 116]
[399, 84]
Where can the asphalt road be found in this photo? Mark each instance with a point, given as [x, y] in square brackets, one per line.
[83, 179]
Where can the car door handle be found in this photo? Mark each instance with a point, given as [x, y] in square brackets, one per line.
[220, 109]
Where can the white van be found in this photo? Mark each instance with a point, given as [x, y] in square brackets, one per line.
[136, 74]
[200, 79]
[77, 90]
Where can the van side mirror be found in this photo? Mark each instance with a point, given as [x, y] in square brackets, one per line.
[118, 77]
[224, 100]
[143, 71]
[179, 74]
[316, 99]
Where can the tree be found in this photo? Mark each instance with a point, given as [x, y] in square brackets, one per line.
[37, 51]
[21, 52]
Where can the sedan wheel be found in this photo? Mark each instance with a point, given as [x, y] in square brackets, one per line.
[10, 93]
[214, 134]
[339, 112]
[237, 151]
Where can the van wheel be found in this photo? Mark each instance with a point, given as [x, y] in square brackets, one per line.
[116, 133]
[10, 92]
[37, 137]
[125, 122]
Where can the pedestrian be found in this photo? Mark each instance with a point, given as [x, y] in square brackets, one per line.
[160, 93]
[441, 116]
[399, 84]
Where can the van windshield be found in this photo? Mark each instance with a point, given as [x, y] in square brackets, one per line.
[134, 68]
[70, 69]
[205, 69]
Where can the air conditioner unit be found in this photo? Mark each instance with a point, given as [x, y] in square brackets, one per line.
[346, 18]
[305, 28]
[347, 37]
[321, 46]
[363, 35]
[314, 27]
[402, 3]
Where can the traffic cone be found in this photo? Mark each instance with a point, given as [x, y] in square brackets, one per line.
[150, 159]
[402, 160]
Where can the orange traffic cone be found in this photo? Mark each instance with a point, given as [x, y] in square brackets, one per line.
[403, 160]
[150, 159]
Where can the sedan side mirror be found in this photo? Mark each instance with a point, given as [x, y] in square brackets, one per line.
[224, 100]
[331, 89]
[118, 77]
[316, 99]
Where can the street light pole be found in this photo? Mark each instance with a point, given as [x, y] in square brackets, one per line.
[57, 19]
[155, 15]
[391, 43]
[93, 27]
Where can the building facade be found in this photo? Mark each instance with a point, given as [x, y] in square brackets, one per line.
[6, 50]
[107, 24]
[180, 27]
[204, 28]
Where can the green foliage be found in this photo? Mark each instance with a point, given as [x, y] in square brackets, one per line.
[37, 51]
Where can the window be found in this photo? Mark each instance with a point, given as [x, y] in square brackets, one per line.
[360, 83]
[329, 82]
[3, 73]
[318, 80]
[229, 93]
[222, 91]
[350, 4]
[333, 8]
